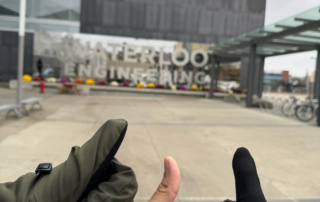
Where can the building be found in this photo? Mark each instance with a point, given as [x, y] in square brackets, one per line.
[199, 21]
[277, 81]
[48, 15]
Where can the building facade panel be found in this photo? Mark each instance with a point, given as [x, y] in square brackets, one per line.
[205, 25]
[152, 18]
[165, 18]
[200, 19]
[9, 55]
[108, 16]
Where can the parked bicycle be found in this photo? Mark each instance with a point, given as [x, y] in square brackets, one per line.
[288, 106]
[303, 109]
[307, 111]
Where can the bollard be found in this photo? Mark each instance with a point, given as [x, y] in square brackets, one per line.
[42, 85]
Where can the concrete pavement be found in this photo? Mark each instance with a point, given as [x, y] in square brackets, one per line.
[200, 134]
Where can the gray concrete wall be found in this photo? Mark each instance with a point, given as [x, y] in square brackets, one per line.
[203, 21]
[9, 55]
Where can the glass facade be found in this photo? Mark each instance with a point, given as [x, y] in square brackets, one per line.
[50, 15]
[47, 9]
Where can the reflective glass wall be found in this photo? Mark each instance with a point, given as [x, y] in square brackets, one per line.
[50, 15]
[48, 9]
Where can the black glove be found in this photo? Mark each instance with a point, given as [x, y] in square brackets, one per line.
[90, 174]
[248, 188]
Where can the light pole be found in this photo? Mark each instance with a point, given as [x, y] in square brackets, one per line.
[21, 50]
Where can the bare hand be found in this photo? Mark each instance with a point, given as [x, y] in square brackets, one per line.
[169, 186]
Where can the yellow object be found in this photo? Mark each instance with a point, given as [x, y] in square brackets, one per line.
[140, 85]
[90, 82]
[195, 88]
[150, 85]
[26, 77]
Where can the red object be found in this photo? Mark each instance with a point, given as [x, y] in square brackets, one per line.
[236, 90]
[285, 75]
[161, 86]
[38, 78]
[42, 85]
[102, 83]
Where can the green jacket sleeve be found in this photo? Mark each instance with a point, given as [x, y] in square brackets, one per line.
[91, 173]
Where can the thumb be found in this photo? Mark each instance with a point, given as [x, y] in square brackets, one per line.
[169, 186]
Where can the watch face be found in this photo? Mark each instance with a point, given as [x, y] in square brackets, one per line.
[44, 168]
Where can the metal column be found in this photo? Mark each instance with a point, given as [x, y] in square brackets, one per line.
[317, 87]
[260, 80]
[217, 74]
[252, 62]
[21, 50]
[212, 77]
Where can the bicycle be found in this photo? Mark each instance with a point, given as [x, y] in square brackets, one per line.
[307, 111]
[288, 106]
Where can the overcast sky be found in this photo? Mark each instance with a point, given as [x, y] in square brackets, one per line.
[297, 64]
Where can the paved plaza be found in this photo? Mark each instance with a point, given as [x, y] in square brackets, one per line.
[200, 134]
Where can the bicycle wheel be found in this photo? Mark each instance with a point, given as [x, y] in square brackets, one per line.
[304, 113]
[290, 110]
[261, 105]
[276, 106]
[285, 108]
[268, 105]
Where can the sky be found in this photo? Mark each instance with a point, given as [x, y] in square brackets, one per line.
[300, 63]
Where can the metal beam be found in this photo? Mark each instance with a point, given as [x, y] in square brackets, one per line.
[316, 87]
[286, 48]
[251, 69]
[256, 35]
[261, 74]
[307, 37]
[294, 30]
[290, 45]
[217, 76]
[291, 31]
[267, 31]
[304, 20]
[317, 82]
[212, 77]
[284, 26]
[271, 50]
[258, 52]
[295, 42]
